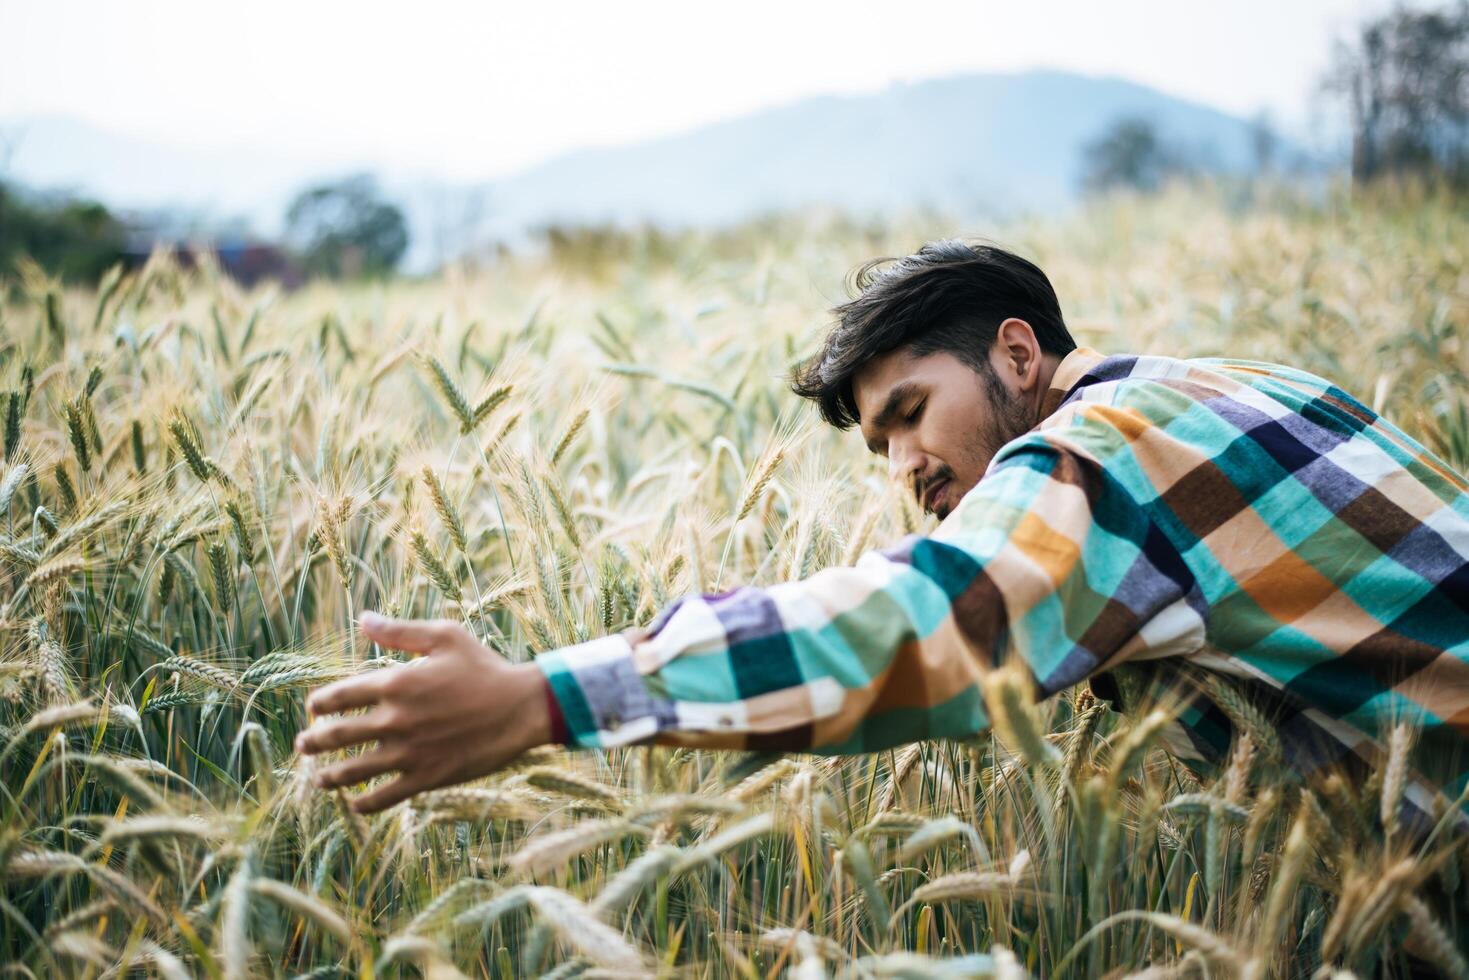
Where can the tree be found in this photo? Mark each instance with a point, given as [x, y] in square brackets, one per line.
[1264, 143]
[1129, 153]
[346, 229]
[1406, 84]
[75, 239]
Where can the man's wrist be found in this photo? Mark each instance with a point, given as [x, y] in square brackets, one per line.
[557, 734]
[603, 699]
[538, 715]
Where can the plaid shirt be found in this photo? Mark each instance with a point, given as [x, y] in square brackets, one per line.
[1179, 519]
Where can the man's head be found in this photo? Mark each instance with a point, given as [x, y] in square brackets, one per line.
[940, 358]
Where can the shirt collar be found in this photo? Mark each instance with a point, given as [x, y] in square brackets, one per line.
[1073, 367]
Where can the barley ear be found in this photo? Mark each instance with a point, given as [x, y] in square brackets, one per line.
[450, 392]
[1395, 776]
[444, 507]
[1013, 716]
[758, 485]
[140, 452]
[1429, 940]
[569, 435]
[234, 943]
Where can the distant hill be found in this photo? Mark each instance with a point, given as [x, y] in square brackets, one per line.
[971, 144]
[987, 142]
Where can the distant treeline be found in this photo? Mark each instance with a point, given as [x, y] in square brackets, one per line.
[1404, 78]
[341, 229]
[76, 240]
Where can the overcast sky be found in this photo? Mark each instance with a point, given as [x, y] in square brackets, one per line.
[476, 90]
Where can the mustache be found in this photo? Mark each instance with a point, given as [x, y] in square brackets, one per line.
[921, 486]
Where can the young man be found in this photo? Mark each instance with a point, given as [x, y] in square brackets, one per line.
[1185, 520]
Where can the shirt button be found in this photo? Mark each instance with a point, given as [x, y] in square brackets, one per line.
[725, 721]
[612, 721]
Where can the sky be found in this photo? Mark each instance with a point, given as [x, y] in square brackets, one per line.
[469, 91]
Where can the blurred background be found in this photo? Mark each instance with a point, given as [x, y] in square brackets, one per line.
[347, 140]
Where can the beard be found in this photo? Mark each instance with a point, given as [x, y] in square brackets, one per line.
[1008, 418]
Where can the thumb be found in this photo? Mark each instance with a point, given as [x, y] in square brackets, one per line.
[411, 635]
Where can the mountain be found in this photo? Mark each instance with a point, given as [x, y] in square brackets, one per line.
[996, 143]
[971, 144]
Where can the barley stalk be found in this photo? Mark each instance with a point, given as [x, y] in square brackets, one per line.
[221, 567]
[429, 915]
[569, 783]
[746, 830]
[1395, 776]
[1012, 713]
[161, 825]
[215, 676]
[234, 943]
[435, 569]
[633, 879]
[450, 392]
[14, 477]
[581, 929]
[55, 570]
[762, 479]
[549, 851]
[1433, 943]
[962, 885]
[569, 436]
[473, 803]
[453, 523]
[76, 428]
[935, 832]
[186, 438]
[304, 905]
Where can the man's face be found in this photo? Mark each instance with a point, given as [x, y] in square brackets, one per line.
[937, 420]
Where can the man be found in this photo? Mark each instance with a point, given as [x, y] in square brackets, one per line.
[1156, 520]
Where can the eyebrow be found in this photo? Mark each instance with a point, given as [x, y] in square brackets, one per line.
[884, 417]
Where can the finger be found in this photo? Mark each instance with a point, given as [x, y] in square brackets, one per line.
[362, 691]
[406, 785]
[359, 769]
[412, 635]
[339, 733]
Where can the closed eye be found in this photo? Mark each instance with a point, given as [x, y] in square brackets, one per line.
[917, 411]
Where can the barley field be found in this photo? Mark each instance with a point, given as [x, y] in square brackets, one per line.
[203, 487]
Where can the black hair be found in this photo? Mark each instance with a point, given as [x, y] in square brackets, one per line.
[948, 296]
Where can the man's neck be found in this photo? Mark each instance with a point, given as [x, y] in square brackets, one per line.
[1059, 377]
[1049, 364]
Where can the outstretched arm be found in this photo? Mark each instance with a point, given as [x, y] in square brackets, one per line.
[1047, 558]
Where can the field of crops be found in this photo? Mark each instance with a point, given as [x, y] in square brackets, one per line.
[203, 487]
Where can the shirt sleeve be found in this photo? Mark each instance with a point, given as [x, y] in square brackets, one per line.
[1047, 558]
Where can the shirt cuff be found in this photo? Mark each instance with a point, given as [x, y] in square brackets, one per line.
[601, 698]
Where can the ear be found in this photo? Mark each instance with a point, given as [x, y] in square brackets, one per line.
[1017, 353]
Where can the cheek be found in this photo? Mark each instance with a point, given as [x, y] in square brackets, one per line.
[958, 438]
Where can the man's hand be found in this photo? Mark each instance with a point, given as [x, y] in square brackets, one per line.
[460, 713]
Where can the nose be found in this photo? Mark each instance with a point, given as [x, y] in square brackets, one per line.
[905, 462]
